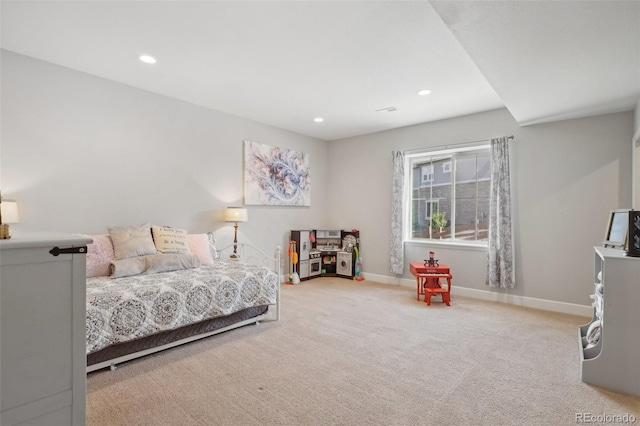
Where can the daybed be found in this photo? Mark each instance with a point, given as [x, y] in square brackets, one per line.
[145, 303]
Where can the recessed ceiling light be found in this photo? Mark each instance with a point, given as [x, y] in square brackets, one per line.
[148, 59]
[318, 119]
[424, 92]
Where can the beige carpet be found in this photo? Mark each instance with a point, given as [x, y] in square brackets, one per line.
[363, 353]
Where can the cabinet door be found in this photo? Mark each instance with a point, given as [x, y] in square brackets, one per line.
[304, 245]
[36, 318]
[42, 348]
[304, 269]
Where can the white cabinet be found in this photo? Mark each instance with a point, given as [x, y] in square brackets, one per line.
[42, 330]
[614, 361]
[327, 233]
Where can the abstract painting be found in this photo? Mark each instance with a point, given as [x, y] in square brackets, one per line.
[275, 176]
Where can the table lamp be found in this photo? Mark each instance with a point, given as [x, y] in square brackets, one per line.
[235, 214]
[8, 214]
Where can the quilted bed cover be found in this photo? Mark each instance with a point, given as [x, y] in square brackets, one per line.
[123, 309]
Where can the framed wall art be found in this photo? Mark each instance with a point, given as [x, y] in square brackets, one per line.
[276, 176]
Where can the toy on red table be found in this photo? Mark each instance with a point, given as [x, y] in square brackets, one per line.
[431, 261]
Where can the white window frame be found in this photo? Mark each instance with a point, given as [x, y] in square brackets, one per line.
[446, 167]
[410, 159]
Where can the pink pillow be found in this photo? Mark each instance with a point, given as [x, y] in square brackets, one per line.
[199, 245]
[100, 253]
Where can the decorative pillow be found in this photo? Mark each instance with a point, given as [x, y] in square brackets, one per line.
[153, 264]
[170, 240]
[99, 256]
[199, 245]
[131, 241]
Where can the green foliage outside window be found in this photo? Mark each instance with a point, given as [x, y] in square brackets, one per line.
[438, 220]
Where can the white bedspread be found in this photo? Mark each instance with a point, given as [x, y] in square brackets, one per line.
[123, 309]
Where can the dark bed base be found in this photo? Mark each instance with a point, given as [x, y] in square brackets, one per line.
[169, 336]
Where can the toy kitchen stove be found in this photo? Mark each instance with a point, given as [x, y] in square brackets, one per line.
[315, 263]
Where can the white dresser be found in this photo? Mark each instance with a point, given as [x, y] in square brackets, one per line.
[614, 361]
[42, 330]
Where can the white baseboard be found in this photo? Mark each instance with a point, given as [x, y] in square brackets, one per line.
[529, 302]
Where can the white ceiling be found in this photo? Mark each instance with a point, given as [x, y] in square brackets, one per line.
[284, 63]
[553, 60]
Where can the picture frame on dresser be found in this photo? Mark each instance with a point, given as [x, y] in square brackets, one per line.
[617, 229]
[633, 247]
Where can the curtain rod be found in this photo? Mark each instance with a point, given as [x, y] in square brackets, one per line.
[442, 147]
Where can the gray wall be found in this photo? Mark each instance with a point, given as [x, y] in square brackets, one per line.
[566, 176]
[81, 153]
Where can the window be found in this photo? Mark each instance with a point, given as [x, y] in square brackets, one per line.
[424, 209]
[449, 194]
[427, 173]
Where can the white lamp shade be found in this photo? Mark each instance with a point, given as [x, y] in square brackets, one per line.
[236, 214]
[9, 211]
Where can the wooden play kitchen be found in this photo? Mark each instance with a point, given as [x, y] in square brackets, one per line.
[325, 253]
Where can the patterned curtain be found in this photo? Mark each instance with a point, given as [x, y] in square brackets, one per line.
[500, 268]
[397, 208]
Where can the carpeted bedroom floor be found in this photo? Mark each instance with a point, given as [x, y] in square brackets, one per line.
[364, 353]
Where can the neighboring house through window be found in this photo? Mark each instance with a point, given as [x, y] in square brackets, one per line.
[449, 194]
[427, 173]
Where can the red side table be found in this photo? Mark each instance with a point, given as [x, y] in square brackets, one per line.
[428, 277]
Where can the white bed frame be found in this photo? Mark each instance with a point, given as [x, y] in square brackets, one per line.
[247, 253]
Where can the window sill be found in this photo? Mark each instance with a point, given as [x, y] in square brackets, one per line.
[446, 244]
